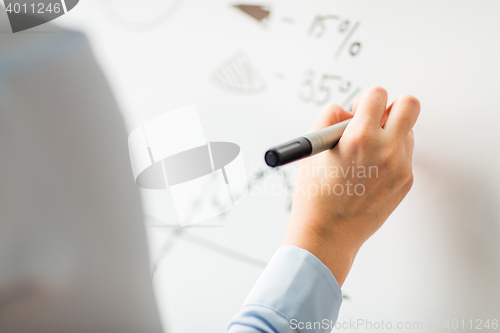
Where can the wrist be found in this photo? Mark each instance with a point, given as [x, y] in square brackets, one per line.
[333, 248]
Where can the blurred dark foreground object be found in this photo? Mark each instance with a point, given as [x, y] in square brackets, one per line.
[73, 252]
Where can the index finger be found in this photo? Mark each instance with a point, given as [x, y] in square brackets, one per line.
[330, 114]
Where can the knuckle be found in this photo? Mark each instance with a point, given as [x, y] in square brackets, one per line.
[392, 166]
[388, 160]
[405, 175]
[361, 138]
[409, 183]
[396, 166]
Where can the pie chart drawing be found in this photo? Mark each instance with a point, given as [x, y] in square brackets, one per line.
[258, 13]
[31, 13]
[205, 179]
[238, 75]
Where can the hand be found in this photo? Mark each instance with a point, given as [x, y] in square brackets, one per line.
[342, 196]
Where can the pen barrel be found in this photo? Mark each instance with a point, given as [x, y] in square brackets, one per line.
[288, 152]
[326, 138]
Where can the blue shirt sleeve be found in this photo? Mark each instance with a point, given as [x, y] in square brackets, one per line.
[295, 293]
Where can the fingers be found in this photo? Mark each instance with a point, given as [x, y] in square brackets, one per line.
[355, 105]
[370, 111]
[371, 107]
[329, 115]
[386, 115]
[402, 116]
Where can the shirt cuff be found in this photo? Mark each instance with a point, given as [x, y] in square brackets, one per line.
[295, 293]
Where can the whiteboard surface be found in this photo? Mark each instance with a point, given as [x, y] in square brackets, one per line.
[436, 258]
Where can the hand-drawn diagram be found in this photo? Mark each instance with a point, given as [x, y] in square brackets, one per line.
[238, 75]
[284, 175]
[319, 28]
[170, 152]
[141, 15]
[261, 174]
[259, 13]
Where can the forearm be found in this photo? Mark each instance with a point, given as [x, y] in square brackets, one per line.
[335, 251]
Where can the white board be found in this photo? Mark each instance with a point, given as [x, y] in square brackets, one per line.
[437, 257]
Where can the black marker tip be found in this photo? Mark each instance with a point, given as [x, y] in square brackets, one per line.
[271, 158]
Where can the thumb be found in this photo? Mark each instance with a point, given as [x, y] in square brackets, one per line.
[330, 114]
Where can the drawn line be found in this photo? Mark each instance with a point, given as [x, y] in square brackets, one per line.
[130, 23]
[182, 234]
[234, 71]
[350, 97]
[346, 39]
[332, 77]
[238, 75]
[167, 246]
[320, 21]
[241, 72]
[288, 20]
[330, 17]
[280, 76]
[230, 78]
[198, 201]
[225, 251]
[247, 71]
